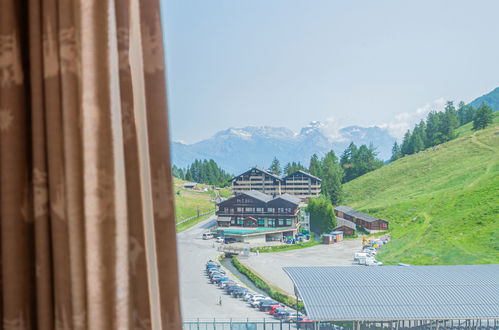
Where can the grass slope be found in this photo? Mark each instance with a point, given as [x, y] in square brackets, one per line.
[442, 204]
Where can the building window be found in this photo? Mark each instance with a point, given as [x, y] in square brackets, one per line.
[259, 209]
[240, 209]
[271, 223]
[288, 222]
[270, 210]
[239, 221]
[281, 222]
[261, 223]
[250, 209]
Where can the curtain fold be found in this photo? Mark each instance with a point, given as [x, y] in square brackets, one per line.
[87, 233]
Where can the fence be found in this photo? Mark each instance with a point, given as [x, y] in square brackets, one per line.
[248, 324]
[196, 216]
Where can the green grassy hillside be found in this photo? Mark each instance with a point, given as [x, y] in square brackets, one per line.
[442, 204]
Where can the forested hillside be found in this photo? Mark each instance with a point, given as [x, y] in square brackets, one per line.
[442, 203]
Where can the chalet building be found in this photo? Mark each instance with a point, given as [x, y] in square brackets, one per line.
[257, 179]
[253, 216]
[299, 183]
[362, 220]
[347, 227]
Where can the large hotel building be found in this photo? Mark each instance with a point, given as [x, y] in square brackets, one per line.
[300, 184]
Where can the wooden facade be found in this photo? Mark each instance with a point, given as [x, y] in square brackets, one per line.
[255, 209]
[362, 220]
[299, 183]
[257, 179]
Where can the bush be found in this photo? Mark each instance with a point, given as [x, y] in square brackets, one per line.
[279, 248]
[273, 292]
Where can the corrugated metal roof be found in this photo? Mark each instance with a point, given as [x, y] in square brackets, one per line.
[356, 214]
[398, 293]
[340, 222]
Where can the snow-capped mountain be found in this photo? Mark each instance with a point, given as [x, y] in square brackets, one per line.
[237, 149]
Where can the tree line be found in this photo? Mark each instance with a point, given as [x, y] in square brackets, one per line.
[333, 171]
[440, 127]
[203, 171]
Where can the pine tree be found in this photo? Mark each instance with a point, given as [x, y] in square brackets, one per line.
[405, 148]
[396, 153]
[347, 162]
[433, 135]
[449, 122]
[462, 110]
[332, 175]
[275, 167]
[315, 165]
[483, 117]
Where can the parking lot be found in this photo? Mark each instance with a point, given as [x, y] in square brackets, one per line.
[269, 265]
[199, 298]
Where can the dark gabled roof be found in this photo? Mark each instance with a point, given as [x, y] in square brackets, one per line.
[356, 214]
[289, 198]
[399, 293]
[258, 169]
[302, 172]
[344, 222]
[252, 193]
[257, 195]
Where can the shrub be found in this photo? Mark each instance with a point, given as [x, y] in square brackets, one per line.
[273, 292]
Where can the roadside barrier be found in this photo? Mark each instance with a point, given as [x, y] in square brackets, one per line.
[196, 216]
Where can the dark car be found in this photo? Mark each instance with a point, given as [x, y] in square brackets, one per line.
[266, 305]
[228, 240]
[218, 280]
[239, 292]
[231, 287]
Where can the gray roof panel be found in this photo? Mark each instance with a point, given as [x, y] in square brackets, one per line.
[340, 222]
[289, 198]
[398, 293]
[258, 195]
[359, 215]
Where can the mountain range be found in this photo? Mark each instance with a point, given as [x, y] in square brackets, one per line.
[237, 149]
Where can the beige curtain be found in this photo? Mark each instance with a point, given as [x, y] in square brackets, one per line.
[87, 235]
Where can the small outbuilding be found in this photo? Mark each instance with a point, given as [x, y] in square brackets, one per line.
[347, 227]
[369, 223]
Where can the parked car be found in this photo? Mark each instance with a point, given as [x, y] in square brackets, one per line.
[255, 302]
[219, 240]
[238, 293]
[282, 313]
[231, 288]
[207, 235]
[266, 305]
[274, 308]
[223, 284]
[228, 240]
[372, 262]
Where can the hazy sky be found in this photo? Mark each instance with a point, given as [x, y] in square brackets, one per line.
[235, 63]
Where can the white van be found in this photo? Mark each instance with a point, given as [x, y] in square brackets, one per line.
[207, 236]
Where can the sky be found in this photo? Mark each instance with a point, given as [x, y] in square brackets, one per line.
[285, 63]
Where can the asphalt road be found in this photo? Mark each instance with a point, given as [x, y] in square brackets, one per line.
[199, 298]
[270, 265]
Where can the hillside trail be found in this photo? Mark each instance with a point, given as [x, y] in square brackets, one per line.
[475, 140]
[419, 236]
[490, 163]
